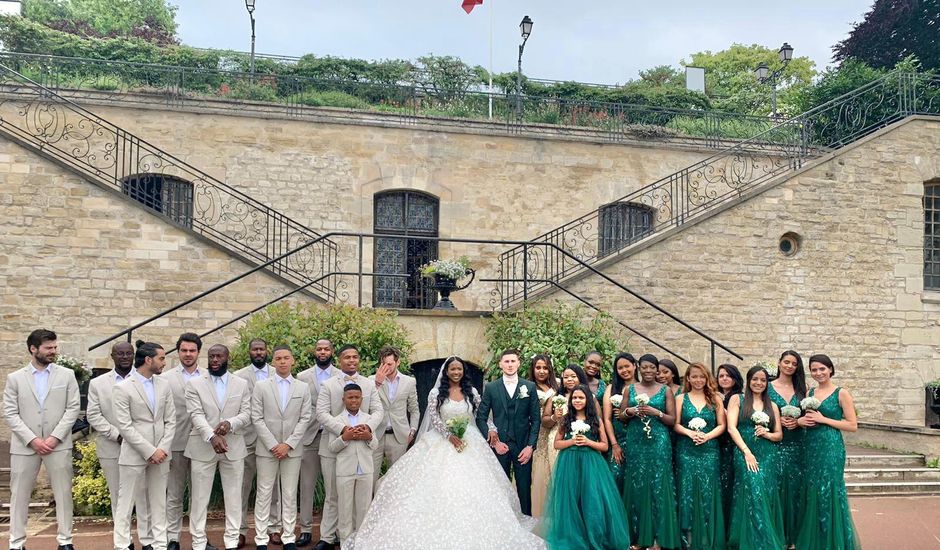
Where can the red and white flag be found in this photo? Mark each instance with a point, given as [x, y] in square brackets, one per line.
[468, 5]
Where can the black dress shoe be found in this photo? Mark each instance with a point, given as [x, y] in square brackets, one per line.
[261, 547]
[290, 546]
[148, 547]
[173, 545]
[131, 547]
[66, 547]
[323, 545]
[208, 546]
[304, 539]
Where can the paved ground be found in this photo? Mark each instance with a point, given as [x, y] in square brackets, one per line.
[909, 523]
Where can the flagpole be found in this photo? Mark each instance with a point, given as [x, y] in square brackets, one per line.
[491, 60]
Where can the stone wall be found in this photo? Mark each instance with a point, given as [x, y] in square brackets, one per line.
[854, 290]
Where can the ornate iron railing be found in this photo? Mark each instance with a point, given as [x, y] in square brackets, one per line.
[298, 96]
[116, 159]
[692, 192]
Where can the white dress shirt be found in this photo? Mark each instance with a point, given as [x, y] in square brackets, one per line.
[323, 374]
[187, 376]
[148, 389]
[118, 378]
[351, 378]
[260, 374]
[353, 422]
[220, 383]
[283, 387]
[511, 382]
[41, 379]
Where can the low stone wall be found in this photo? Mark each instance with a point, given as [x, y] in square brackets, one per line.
[923, 441]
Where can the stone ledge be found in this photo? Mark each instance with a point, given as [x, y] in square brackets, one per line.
[440, 313]
[904, 439]
[900, 429]
[930, 297]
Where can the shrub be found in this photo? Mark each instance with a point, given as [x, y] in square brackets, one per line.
[330, 99]
[89, 488]
[253, 91]
[301, 325]
[563, 332]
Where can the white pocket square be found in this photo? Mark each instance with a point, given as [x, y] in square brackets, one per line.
[59, 386]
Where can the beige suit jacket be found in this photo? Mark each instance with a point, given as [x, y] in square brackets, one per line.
[101, 415]
[310, 377]
[184, 424]
[204, 410]
[330, 405]
[350, 454]
[275, 427]
[403, 410]
[143, 429]
[247, 374]
[27, 420]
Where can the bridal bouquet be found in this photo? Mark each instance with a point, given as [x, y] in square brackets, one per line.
[698, 424]
[458, 427]
[616, 400]
[760, 418]
[810, 404]
[790, 411]
[641, 401]
[559, 401]
[579, 427]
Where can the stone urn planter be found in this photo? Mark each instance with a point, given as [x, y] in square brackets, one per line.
[445, 285]
[933, 402]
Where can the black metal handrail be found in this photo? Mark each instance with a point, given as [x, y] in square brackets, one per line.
[341, 284]
[116, 159]
[690, 193]
[297, 95]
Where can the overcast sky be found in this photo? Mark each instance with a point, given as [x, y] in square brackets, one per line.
[606, 41]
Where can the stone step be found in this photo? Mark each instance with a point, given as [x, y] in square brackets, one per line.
[905, 488]
[863, 474]
[884, 461]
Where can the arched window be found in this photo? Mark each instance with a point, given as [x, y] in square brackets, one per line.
[405, 213]
[620, 224]
[165, 194]
[932, 235]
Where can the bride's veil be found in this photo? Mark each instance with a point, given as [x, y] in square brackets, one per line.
[426, 421]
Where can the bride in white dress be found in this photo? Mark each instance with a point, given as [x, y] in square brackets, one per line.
[438, 497]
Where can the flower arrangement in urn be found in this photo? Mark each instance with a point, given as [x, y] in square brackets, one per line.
[445, 274]
[80, 368]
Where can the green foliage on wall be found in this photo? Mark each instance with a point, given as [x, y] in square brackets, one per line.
[89, 488]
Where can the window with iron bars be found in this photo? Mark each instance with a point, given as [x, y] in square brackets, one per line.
[164, 194]
[932, 235]
[620, 224]
[404, 213]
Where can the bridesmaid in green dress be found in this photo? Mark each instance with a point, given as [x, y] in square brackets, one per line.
[701, 519]
[730, 384]
[593, 368]
[827, 521]
[649, 493]
[583, 511]
[624, 375]
[668, 374]
[756, 517]
[789, 388]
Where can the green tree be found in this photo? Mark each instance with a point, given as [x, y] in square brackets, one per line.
[151, 20]
[731, 84]
[892, 31]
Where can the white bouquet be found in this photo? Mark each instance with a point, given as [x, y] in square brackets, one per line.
[760, 418]
[698, 424]
[559, 401]
[616, 400]
[579, 427]
[642, 399]
[810, 404]
[790, 411]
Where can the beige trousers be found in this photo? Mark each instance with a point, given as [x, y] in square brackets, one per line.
[309, 472]
[248, 479]
[354, 494]
[330, 520]
[203, 474]
[175, 495]
[112, 475]
[283, 474]
[388, 447]
[23, 472]
[153, 479]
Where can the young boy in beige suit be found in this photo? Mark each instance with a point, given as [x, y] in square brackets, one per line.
[354, 464]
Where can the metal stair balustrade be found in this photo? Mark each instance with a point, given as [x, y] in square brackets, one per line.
[693, 192]
[115, 159]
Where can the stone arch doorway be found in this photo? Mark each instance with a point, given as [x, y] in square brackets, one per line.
[425, 373]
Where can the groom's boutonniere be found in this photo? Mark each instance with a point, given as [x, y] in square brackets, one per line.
[523, 392]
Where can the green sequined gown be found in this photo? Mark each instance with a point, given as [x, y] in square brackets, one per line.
[827, 521]
[620, 431]
[727, 450]
[701, 519]
[584, 510]
[649, 492]
[788, 472]
[756, 517]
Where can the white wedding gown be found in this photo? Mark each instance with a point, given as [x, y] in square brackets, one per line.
[437, 498]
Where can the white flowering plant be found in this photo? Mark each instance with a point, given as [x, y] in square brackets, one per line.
[580, 427]
[768, 366]
[810, 404]
[790, 411]
[82, 371]
[760, 418]
[616, 400]
[452, 269]
[698, 424]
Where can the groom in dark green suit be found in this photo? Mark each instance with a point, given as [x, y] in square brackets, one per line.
[517, 416]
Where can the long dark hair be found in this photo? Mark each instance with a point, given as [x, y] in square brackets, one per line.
[668, 363]
[466, 388]
[590, 411]
[735, 375]
[799, 377]
[552, 380]
[617, 384]
[582, 377]
[765, 398]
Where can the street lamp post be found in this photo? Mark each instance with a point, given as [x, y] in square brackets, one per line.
[525, 28]
[764, 75]
[250, 6]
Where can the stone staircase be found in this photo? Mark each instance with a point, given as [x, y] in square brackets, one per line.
[871, 472]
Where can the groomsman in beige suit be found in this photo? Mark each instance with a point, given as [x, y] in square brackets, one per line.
[257, 371]
[399, 395]
[353, 449]
[40, 404]
[188, 347]
[220, 408]
[108, 441]
[281, 411]
[329, 407]
[314, 377]
[146, 418]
